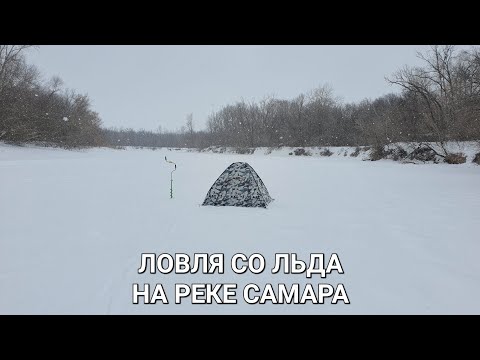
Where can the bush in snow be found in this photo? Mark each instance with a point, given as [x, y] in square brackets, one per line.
[356, 152]
[455, 158]
[218, 150]
[301, 151]
[378, 152]
[399, 153]
[476, 159]
[326, 152]
[244, 151]
[423, 153]
[15, 142]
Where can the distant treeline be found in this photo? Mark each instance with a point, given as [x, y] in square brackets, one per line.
[438, 102]
[34, 110]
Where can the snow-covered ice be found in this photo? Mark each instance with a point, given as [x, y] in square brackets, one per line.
[73, 226]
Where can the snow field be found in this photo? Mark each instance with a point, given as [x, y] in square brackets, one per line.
[75, 223]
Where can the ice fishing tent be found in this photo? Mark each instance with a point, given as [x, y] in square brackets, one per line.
[239, 185]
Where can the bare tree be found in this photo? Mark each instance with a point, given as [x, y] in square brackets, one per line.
[435, 86]
[31, 110]
[189, 124]
[11, 56]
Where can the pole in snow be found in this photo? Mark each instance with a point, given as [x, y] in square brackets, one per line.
[171, 177]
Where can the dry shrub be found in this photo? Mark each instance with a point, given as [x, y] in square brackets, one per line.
[326, 152]
[244, 151]
[377, 153]
[399, 153]
[301, 151]
[423, 153]
[356, 152]
[455, 158]
[476, 159]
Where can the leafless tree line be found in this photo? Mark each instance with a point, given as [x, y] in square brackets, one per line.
[33, 110]
[443, 96]
[438, 102]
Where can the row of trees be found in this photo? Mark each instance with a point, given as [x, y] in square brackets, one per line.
[34, 110]
[131, 137]
[439, 101]
[186, 136]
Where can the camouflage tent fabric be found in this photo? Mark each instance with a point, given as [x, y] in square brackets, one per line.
[239, 185]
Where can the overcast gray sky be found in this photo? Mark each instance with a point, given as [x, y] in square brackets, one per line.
[147, 86]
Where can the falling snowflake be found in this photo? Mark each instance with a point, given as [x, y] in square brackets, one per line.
[65, 118]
